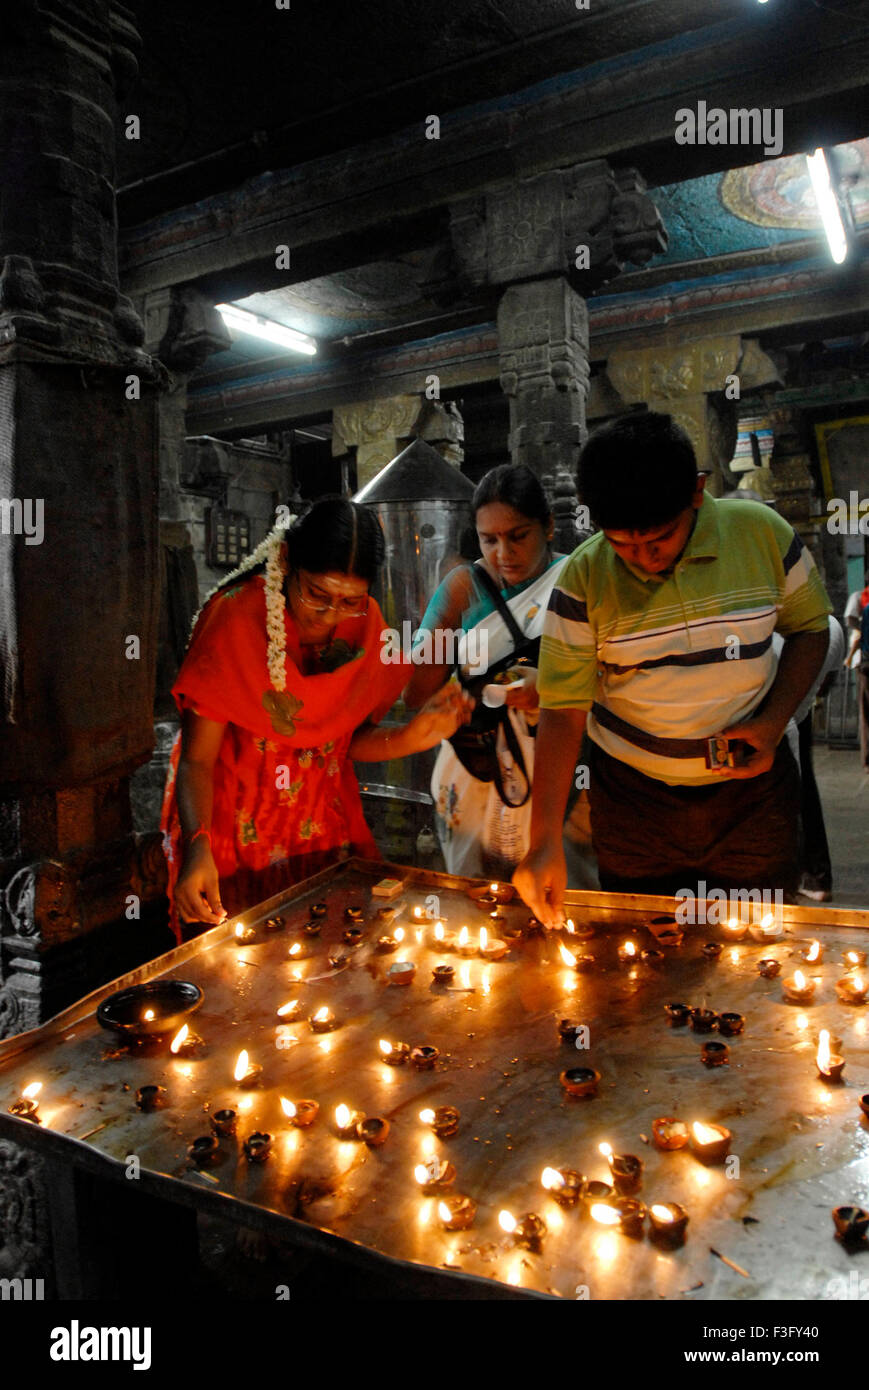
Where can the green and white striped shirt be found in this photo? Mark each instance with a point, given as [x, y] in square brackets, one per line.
[659, 660]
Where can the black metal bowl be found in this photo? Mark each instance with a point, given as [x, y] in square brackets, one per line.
[170, 1001]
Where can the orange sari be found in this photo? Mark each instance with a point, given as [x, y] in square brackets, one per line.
[286, 799]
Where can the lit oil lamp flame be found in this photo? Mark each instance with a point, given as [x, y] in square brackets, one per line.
[852, 957]
[295, 949]
[439, 932]
[399, 933]
[427, 1117]
[321, 1015]
[824, 1051]
[799, 979]
[288, 1008]
[493, 887]
[32, 1090]
[552, 1180]
[767, 920]
[814, 951]
[484, 938]
[661, 1213]
[417, 912]
[607, 1216]
[241, 1066]
[858, 983]
[239, 930]
[288, 1108]
[629, 948]
[567, 956]
[421, 1173]
[149, 1014]
[385, 1047]
[704, 1134]
[605, 1149]
[179, 1037]
[463, 936]
[342, 1116]
[444, 1212]
[569, 926]
[507, 1221]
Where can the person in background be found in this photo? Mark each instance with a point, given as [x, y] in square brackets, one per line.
[282, 687]
[482, 780]
[857, 661]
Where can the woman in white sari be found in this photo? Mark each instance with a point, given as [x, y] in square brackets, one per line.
[482, 779]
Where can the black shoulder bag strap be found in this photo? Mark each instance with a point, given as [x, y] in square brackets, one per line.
[518, 637]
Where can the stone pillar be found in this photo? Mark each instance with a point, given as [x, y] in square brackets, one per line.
[794, 491]
[78, 612]
[546, 243]
[377, 429]
[699, 384]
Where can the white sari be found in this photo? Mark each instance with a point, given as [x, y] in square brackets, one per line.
[480, 836]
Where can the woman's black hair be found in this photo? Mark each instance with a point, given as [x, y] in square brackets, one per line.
[337, 534]
[517, 487]
[636, 472]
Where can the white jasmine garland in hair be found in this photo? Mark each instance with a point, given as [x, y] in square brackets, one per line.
[276, 571]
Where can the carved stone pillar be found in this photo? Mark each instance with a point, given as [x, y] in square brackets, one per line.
[547, 242]
[77, 450]
[697, 384]
[794, 489]
[378, 430]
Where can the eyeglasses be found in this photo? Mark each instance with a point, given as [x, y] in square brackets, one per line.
[346, 607]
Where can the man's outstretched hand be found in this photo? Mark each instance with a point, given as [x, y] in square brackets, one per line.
[540, 880]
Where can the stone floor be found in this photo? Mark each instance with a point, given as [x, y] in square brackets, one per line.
[845, 796]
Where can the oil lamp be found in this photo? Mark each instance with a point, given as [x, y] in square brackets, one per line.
[401, 973]
[27, 1105]
[443, 974]
[769, 967]
[580, 1081]
[631, 1214]
[337, 958]
[319, 909]
[594, 1190]
[605, 1213]
[864, 1104]
[257, 1147]
[456, 1212]
[185, 1043]
[852, 989]
[666, 931]
[582, 962]
[703, 1020]
[583, 932]
[247, 1074]
[394, 1054]
[813, 954]
[852, 958]
[434, 1175]
[224, 1123]
[274, 924]
[767, 929]
[323, 1021]
[712, 949]
[626, 1170]
[830, 1065]
[734, 930]
[296, 951]
[203, 1150]
[387, 944]
[352, 936]
[798, 988]
[243, 934]
[529, 1232]
[373, 1131]
[424, 1056]
[444, 940]
[714, 1054]
[711, 1143]
[300, 1113]
[668, 1221]
[464, 945]
[568, 1031]
[678, 1014]
[149, 1098]
[353, 914]
[627, 952]
[669, 1133]
[652, 957]
[564, 1185]
[493, 949]
[730, 1024]
[444, 1120]
[288, 1010]
[851, 1224]
[346, 1121]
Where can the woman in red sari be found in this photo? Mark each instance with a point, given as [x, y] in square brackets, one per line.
[281, 688]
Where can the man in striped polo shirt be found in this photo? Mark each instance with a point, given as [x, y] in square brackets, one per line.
[658, 636]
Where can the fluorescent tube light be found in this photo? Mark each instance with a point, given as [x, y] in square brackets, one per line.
[828, 206]
[258, 327]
